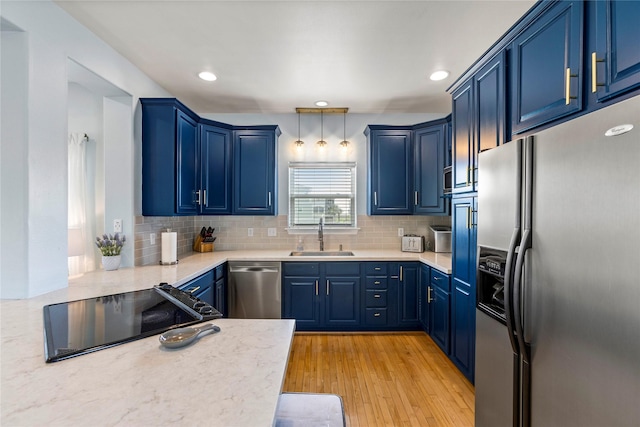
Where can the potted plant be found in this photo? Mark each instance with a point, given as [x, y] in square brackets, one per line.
[110, 247]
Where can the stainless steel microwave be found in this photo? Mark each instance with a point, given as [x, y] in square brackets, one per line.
[447, 179]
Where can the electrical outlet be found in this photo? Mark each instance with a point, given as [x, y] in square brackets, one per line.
[117, 226]
[250, 232]
[271, 231]
[400, 232]
[152, 238]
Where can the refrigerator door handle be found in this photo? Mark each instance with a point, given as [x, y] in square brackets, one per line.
[508, 290]
[525, 244]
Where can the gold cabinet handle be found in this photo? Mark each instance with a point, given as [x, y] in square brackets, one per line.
[467, 180]
[192, 290]
[401, 273]
[316, 287]
[376, 315]
[327, 286]
[567, 87]
[376, 282]
[429, 299]
[594, 72]
[468, 218]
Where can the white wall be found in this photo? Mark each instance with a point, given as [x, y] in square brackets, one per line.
[36, 262]
[333, 130]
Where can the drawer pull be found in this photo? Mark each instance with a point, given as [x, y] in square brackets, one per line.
[377, 268]
[377, 282]
[376, 315]
[436, 278]
[192, 290]
[376, 296]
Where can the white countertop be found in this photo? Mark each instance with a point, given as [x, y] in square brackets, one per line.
[232, 378]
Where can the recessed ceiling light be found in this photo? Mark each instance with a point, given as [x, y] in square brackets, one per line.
[439, 75]
[206, 75]
[321, 103]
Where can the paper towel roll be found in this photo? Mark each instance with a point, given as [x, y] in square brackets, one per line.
[169, 247]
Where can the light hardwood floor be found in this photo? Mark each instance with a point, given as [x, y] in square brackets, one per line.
[399, 379]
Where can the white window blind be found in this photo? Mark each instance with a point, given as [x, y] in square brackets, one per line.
[322, 190]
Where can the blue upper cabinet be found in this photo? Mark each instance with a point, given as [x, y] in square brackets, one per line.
[194, 166]
[169, 158]
[479, 123]
[430, 145]
[547, 67]
[615, 61]
[187, 185]
[462, 134]
[255, 171]
[215, 166]
[390, 178]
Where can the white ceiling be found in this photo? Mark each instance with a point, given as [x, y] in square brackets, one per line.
[274, 56]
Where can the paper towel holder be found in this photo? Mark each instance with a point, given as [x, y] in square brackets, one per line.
[169, 255]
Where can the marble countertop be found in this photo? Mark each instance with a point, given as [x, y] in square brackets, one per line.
[230, 378]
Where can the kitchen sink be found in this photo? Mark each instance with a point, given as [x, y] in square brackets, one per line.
[321, 253]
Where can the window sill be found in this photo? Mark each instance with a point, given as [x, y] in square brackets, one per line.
[327, 230]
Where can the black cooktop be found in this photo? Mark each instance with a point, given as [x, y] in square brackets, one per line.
[84, 326]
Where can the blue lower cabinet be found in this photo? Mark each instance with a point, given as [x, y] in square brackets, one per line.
[301, 301]
[463, 329]
[440, 318]
[408, 284]
[322, 296]
[201, 287]
[342, 301]
[220, 289]
[425, 298]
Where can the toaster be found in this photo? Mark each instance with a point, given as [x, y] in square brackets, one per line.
[412, 243]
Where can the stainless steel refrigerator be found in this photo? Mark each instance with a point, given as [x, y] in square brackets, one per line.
[558, 313]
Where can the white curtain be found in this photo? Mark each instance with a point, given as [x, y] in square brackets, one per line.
[80, 213]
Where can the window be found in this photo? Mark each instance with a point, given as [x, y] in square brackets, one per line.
[322, 190]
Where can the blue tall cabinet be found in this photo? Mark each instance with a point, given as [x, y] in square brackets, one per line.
[564, 58]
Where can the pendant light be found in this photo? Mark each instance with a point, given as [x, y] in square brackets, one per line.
[344, 143]
[322, 143]
[299, 143]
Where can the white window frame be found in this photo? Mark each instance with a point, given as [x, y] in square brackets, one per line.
[328, 228]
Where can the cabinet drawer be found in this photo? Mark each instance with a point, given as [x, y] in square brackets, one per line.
[376, 283]
[301, 268]
[376, 298]
[376, 269]
[342, 269]
[375, 316]
[440, 280]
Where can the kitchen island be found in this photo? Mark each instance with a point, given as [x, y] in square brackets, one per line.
[232, 378]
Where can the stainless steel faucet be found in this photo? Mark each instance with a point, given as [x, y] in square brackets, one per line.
[321, 234]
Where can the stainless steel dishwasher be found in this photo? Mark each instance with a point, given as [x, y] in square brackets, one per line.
[254, 290]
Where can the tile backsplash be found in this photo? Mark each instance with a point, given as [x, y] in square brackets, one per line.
[376, 232]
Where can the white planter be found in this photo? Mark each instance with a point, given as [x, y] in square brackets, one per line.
[111, 262]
